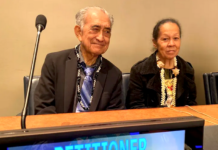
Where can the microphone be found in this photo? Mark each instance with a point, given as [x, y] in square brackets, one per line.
[40, 25]
[41, 22]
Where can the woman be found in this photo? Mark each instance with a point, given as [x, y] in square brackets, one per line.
[163, 79]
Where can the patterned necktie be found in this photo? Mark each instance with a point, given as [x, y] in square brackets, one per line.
[87, 86]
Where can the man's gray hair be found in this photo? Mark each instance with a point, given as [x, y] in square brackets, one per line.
[80, 16]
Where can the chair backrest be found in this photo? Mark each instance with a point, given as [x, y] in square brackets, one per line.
[207, 90]
[210, 87]
[125, 85]
[213, 85]
[35, 80]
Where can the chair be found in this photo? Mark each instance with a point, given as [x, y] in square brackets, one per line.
[210, 87]
[35, 80]
[125, 85]
[207, 88]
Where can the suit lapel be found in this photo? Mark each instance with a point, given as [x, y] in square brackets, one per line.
[180, 88]
[155, 83]
[102, 75]
[70, 83]
[183, 78]
[152, 73]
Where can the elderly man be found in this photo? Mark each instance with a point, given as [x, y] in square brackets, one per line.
[80, 79]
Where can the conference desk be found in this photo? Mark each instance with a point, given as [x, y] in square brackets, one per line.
[37, 121]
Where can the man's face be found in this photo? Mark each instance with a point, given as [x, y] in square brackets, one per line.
[96, 33]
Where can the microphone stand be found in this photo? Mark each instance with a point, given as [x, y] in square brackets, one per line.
[24, 111]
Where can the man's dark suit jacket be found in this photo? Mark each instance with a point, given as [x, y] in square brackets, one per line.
[56, 90]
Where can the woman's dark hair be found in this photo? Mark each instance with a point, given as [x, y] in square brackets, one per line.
[163, 21]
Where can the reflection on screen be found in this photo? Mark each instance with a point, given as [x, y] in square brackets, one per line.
[170, 140]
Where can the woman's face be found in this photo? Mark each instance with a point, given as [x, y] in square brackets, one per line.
[168, 41]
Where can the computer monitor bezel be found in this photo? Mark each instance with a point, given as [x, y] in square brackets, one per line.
[63, 133]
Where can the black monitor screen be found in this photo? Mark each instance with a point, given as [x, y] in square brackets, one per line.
[137, 135]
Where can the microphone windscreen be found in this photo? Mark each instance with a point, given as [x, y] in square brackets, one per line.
[41, 19]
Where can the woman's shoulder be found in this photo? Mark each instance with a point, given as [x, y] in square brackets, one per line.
[145, 65]
[140, 65]
[141, 62]
[185, 65]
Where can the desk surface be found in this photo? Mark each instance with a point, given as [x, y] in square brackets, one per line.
[37, 121]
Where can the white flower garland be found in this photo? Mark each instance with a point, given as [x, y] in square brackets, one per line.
[160, 64]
